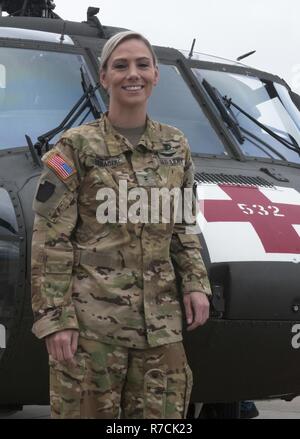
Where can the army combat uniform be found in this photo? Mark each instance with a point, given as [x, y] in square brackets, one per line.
[114, 282]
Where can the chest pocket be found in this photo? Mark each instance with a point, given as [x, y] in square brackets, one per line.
[103, 172]
[114, 169]
[170, 169]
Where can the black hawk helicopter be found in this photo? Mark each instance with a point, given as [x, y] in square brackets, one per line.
[243, 126]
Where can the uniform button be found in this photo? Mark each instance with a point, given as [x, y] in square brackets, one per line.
[155, 374]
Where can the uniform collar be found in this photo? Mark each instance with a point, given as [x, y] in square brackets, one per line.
[152, 138]
[117, 144]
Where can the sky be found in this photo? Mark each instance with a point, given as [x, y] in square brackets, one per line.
[226, 28]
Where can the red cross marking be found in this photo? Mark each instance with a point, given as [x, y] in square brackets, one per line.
[271, 221]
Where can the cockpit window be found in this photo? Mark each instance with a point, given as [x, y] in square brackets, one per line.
[37, 91]
[2, 76]
[173, 103]
[35, 35]
[268, 103]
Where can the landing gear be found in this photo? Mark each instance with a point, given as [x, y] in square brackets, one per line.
[10, 409]
[215, 411]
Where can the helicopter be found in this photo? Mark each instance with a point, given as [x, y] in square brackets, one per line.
[243, 127]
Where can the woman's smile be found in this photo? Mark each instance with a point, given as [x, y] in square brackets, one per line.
[130, 76]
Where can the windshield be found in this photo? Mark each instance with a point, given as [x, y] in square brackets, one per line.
[267, 102]
[173, 103]
[37, 91]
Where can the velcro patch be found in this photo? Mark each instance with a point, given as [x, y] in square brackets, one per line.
[45, 191]
[109, 162]
[175, 161]
[60, 166]
[168, 151]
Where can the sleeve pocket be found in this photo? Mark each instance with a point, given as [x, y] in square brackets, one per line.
[56, 202]
[58, 276]
[58, 261]
[188, 240]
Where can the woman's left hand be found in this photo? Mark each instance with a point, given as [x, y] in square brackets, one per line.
[196, 309]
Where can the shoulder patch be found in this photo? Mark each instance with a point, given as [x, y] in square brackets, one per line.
[45, 191]
[60, 166]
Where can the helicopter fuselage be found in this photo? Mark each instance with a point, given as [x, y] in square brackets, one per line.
[248, 196]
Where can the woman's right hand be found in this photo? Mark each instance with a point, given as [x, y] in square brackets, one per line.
[62, 345]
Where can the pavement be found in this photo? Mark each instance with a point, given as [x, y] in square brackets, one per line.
[278, 409]
[28, 412]
[271, 409]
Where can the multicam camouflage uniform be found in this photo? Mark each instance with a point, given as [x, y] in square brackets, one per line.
[114, 282]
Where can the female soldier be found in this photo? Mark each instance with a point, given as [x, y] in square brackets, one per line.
[104, 292]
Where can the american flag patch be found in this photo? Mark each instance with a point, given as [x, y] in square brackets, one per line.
[60, 166]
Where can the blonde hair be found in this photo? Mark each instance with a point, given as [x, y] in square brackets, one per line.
[119, 38]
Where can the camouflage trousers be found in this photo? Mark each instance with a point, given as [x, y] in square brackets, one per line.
[108, 381]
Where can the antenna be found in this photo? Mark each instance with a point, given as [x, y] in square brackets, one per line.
[245, 55]
[192, 48]
[28, 8]
[93, 21]
[62, 37]
[24, 8]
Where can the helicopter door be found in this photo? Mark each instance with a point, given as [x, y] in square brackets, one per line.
[10, 266]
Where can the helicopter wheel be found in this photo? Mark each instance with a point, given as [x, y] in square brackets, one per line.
[214, 411]
[10, 409]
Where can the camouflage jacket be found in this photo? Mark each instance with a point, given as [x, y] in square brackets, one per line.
[113, 281]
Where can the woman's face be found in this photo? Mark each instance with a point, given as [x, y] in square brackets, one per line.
[130, 74]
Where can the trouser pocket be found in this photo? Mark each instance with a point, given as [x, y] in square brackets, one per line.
[155, 388]
[66, 387]
[188, 389]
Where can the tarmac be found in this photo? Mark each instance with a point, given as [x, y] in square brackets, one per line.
[279, 409]
[271, 409]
